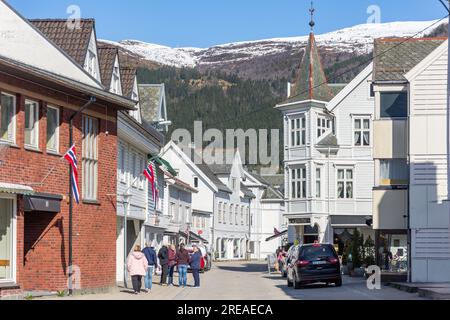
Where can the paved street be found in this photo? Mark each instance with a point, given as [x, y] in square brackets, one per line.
[250, 280]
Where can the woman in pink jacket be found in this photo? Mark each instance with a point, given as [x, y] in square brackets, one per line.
[137, 265]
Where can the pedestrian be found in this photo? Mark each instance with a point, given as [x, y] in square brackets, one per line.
[172, 263]
[280, 258]
[150, 254]
[137, 265]
[182, 259]
[195, 265]
[163, 256]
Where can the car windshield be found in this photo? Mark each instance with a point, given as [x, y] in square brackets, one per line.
[316, 252]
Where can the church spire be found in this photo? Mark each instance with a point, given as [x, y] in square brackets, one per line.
[311, 11]
[311, 82]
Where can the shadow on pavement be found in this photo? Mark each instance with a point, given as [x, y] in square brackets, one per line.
[248, 267]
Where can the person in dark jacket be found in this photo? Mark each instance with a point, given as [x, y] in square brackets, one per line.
[182, 265]
[163, 256]
[195, 266]
[172, 262]
[150, 254]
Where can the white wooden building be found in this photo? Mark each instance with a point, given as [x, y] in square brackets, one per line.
[328, 153]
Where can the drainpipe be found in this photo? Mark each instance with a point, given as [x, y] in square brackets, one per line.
[213, 226]
[90, 102]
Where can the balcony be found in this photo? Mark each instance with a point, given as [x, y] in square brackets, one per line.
[390, 208]
[390, 138]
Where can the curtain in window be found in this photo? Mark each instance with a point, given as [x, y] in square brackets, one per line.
[6, 115]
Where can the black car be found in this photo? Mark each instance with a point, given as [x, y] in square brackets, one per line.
[311, 263]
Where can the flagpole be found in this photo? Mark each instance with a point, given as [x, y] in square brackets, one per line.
[92, 100]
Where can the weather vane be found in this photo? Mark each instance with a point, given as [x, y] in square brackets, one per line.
[312, 10]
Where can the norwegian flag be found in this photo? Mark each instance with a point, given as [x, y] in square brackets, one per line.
[275, 231]
[71, 157]
[149, 173]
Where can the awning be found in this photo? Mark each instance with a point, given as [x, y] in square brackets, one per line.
[165, 164]
[349, 220]
[193, 237]
[282, 233]
[42, 202]
[202, 213]
[15, 188]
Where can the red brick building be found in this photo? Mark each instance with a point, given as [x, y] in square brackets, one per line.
[41, 87]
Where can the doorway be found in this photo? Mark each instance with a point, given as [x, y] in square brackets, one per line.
[7, 243]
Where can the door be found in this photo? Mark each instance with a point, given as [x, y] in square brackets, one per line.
[6, 240]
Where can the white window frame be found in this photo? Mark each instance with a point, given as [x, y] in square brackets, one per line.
[247, 216]
[231, 213]
[318, 184]
[172, 212]
[242, 215]
[236, 215]
[323, 125]
[54, 150]
[297, 130]
[116, 80]
[345, 180]
[122, 154]
[11, 130]
[219, 211]
[91, 65]
[141, 163]
[361, 130]
[298, 182]
[90, 157]
[34, 133]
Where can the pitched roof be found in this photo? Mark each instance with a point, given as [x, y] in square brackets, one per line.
[107, 57]
[211, 176]
[150, 101]
[127, 76]
[394, 57]
[330, 140]
[221, 168]
[311, 82]
[74, 41]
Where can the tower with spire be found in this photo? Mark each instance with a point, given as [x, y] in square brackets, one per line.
[311, 82]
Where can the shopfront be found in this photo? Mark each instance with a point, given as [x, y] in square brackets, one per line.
[392, 251]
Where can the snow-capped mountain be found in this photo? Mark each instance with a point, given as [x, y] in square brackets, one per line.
[357, 39]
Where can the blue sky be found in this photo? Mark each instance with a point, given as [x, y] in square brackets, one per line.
[203, 23]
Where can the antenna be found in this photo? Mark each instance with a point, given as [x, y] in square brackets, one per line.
[311, 11]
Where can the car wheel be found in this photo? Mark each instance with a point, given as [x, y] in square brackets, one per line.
[297, 284]
[338, 282]
[289, 283]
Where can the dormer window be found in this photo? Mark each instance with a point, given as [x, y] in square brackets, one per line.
[90, 63]
[116, 80]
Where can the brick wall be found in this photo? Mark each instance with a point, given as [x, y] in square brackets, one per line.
[42, 238]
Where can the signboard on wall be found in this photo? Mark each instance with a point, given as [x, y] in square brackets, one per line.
[300, 221]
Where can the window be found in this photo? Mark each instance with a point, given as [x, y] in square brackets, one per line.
[236, 215]
[7, 117]
[242, 216]
[53, 129]
[182, 216]
[172, 212]
[90, 158]
[230, 220]
[139, 174]
[188, 214]
[393, 105]
[393, 172]
[32, 124]
[345, 183]
[116, 80]
[195, 182]
[318, 183]
[298, 183]
[323, 125]
[247, 216]
[219, 212]
[90, 63]
[361, 131]
[224, 212]
[121, 163]
[133, 169]
[298, 132]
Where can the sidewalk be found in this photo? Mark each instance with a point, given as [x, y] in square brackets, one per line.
[432, 290]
